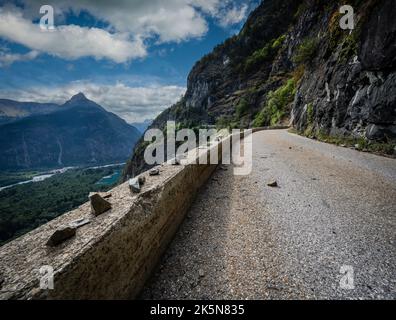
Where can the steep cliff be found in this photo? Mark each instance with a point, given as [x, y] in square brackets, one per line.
[349, 88]
[293, 63]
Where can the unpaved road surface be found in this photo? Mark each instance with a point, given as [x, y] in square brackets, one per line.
[241, 239]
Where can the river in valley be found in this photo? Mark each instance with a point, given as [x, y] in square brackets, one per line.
[48, 174]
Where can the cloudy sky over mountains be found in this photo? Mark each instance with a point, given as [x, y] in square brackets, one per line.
[131, 56]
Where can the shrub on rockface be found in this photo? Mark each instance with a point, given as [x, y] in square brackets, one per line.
[264, 54]
[227, 122]
[348, 42]
[305, 51]
[310, 113]
[275, 108]
[278, 42]
[242, 108]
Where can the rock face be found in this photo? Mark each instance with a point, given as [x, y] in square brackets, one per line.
[377, 49]
[292, 63]
[351, 88]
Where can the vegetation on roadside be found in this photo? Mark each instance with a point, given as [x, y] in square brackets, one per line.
[310, 113]
[359, 143]
[276, 105]
[226, 122]
[242, 108]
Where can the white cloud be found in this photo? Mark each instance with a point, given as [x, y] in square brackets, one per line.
[6, 59]
[233, 16]
[170, 20]
[134, 104]
[129, 24]
[69, 41]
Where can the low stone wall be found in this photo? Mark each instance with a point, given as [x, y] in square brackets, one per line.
[113, 255]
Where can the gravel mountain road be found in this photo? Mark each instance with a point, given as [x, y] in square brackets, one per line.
[333, 208]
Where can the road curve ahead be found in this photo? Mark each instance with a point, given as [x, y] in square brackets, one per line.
[331, 220]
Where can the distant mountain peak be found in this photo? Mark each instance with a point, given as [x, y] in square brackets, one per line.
[79, 97]
[80, 100]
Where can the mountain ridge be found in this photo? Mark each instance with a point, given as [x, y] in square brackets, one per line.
[79, 132]
[11, 110]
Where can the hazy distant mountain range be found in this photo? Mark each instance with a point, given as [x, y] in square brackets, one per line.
[79, 132]
[13, 110]
[142, 126]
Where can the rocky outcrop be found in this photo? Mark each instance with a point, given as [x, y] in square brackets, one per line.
[378, 43]
[350, 87]
[342, 81]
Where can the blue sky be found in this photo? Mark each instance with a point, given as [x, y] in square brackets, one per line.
[131, 56]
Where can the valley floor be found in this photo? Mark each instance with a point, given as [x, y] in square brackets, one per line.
[29, 204]
[242, 239]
